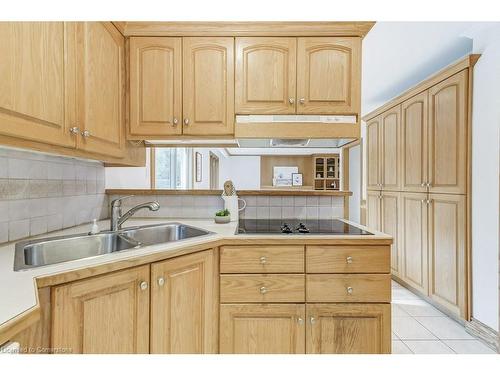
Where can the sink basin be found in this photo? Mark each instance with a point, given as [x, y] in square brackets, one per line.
[46, 251]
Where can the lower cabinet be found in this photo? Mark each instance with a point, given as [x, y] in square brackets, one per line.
[184, 304]
[103, 314]
[348, 328]
[262, 329]
[120, 313]
[342, 328]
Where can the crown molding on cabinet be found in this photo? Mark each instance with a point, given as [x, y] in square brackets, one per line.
[359, 29]
[466, 62]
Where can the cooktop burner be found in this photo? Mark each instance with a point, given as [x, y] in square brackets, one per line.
[293, 226]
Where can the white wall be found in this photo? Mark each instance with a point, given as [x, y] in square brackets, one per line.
[129, 177]
[485, 176]
[355, 183]
[244, 171]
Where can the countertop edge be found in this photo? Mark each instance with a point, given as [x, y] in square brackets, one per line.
[273, 192]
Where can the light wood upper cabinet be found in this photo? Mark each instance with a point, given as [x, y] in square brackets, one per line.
[103, 314]
[447, 258]
[348, 328]
[265, 75]
[389, 223]
[100, 88]
[389, 144]
[155, 86]
[414, 210]
[36, 73]
[208, 86]
[184, 304]
[414, 143]
[373, 154]
[328, 75]
[448, 135]
[262, 329]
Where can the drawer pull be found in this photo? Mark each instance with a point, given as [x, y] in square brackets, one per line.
[263, 260]
[348, 260]
[349, 290]
[263, 290]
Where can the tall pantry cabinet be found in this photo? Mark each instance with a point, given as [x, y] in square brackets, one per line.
[418, 160]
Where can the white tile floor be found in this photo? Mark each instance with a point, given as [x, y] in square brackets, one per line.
[419, 328]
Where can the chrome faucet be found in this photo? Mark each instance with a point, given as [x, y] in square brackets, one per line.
[117, 218]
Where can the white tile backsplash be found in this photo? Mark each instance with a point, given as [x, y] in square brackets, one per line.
[40, 193]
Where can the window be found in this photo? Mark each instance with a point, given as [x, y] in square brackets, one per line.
[172, 168]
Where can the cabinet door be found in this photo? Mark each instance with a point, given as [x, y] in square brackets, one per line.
[447, 258]
[262, 329]
[155, 86]
[448, 135]
[208, 86]
[35, 74]
[348, 328]
[414, 240]
[390, 168]
[414, 143]
[373, 154]
[328, 75]
[103, 314]
[184, 304]
[389, 223]
[373, 210]
[265, 75]
[101, 88]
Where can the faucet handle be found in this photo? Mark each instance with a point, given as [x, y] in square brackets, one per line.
[118, 201]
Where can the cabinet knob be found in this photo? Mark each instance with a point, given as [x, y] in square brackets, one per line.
[312, 320]
[186, 121]
[85, 133]
[300, 320]
[175, 121]
[263, 260]
[302, 100]
[263, 290]
[423, 184]
[348, 260]
[428, 184]
[349, 290]
[74, 130]
[291, 100]
[143, 285]
[161, 281]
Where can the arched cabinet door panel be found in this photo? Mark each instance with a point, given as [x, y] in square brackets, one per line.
[414, 114]
[328, 75]
[36, 71]
[265, 75]
[155, 86]
[373, 166]
[100, 88]
[448, 135]
[208, 86]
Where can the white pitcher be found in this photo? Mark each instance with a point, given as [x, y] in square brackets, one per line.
[231, 204]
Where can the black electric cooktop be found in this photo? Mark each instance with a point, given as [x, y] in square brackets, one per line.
[293, 226]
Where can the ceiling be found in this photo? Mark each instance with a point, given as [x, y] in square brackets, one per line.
[398, 55]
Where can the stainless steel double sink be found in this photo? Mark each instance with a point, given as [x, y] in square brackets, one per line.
[46, 251]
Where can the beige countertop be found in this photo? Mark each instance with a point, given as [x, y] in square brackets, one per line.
[18, 290]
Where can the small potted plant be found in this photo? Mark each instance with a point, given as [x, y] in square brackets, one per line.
[222, 217]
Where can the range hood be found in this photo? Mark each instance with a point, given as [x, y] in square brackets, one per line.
[293, 143]
[297, 127]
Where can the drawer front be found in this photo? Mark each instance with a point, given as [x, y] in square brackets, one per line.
[348, 259]
[262, 259]
[262, 288]
[349, 288]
